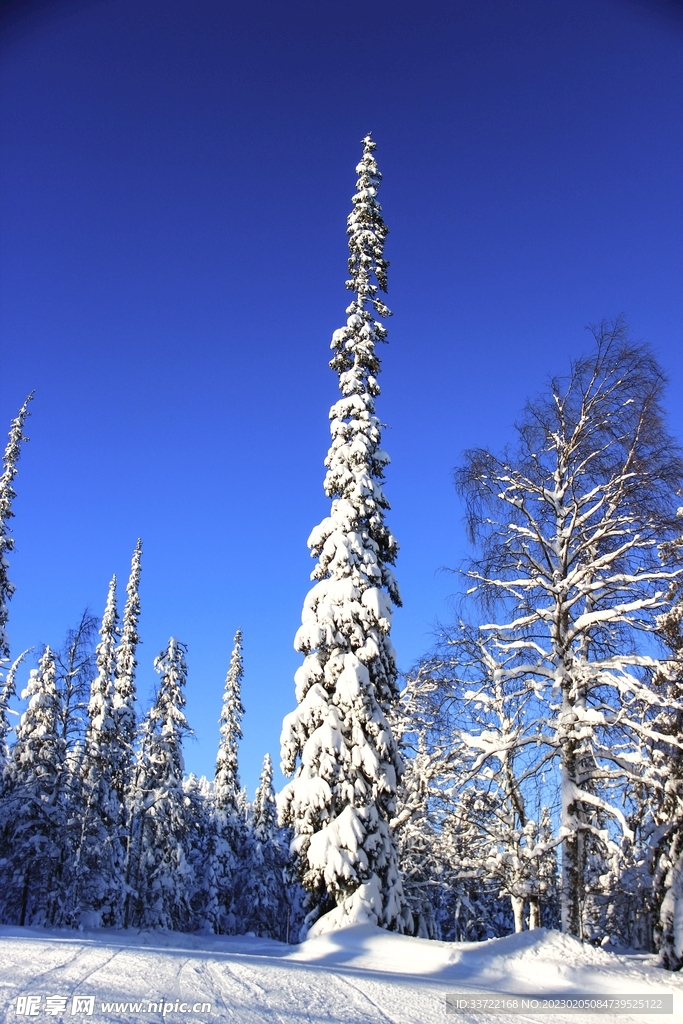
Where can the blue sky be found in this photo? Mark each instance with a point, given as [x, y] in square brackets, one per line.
[174, 180]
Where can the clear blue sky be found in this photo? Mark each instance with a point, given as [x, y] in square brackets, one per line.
[175, 178]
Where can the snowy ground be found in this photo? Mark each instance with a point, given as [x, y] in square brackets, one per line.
[357, 976]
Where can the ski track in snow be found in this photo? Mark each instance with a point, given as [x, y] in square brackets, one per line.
[357, 976]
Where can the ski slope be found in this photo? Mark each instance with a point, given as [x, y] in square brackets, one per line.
[359, 975]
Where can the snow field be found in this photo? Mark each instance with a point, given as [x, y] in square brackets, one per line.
[358, 975]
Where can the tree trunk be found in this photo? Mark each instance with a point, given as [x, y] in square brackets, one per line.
[572, 874]
[534, 913]
[518, 911]
[24, 899]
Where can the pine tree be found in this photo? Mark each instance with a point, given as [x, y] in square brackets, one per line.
[7, 495]
[124, 691]
[226, 781]
[33, 823]
[338, 743]
[263, 903]
[7, 692]
[99, 859]
[162, 877]
[203, 898]
[229, 817]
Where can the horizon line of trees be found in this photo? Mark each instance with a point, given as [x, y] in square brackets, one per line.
[99, 826]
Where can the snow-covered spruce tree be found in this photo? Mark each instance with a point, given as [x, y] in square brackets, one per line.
[229, 815]
[7, 495]
[99, 856]
[33, 824]
[203, 892]
[263, 903]
[7, 692]
[338, 743]
[568, 523]
[124, 690]
[226, 780]
[161, 878]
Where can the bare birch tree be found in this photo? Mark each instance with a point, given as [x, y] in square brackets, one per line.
[568, 524]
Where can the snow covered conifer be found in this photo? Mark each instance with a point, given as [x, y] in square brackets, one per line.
[7, 494]
[265, 809]
[338, 743]
[33, 821]
[7, 691]
[226, 782]
[229, 814]
[263, 902]
[101, 723]
[123, 700]
[162, 875]
[98, 872]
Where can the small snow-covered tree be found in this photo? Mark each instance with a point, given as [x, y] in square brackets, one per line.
[263, 905]
[162, 874]
[497, 727]
[416, 833]
[7, 692]
[76, 668]
[7, 495]
[203, 889]
[465, 837]
[568, 524]
[33, 813]
[338, 743]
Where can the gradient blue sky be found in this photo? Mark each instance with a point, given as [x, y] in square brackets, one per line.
[175, 177]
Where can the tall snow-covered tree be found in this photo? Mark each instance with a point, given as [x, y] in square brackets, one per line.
[226, 780]
[7, 495]
[338, 743]
[161, 878]
[99, 856]
[228, 835]
[124, 689]
[568, 524]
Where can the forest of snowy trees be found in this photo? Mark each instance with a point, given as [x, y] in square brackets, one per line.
[527, 772]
